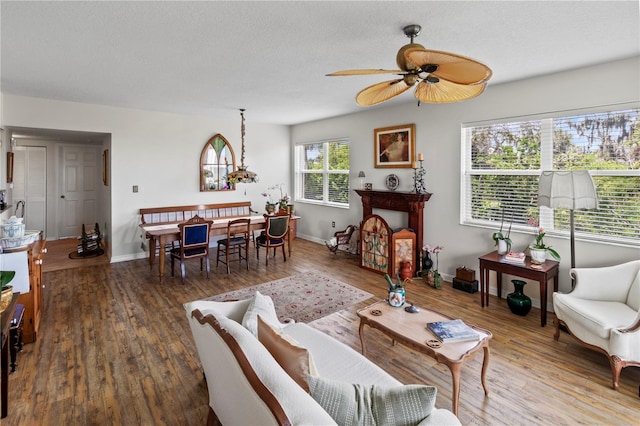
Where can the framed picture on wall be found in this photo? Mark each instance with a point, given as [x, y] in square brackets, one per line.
[9, 167]
[395, 147]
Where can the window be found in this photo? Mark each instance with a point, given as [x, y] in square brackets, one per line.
[502, 162]
[322, 172]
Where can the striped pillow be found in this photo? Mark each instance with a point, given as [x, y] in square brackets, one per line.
[351, 404]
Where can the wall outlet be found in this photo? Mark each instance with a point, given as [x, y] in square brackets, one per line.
[333, 224]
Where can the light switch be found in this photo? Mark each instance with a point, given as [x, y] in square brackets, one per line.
[135, 188]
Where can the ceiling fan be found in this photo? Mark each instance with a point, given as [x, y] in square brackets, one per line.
[440, 76]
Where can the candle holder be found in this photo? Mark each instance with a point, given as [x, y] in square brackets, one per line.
[418, 179]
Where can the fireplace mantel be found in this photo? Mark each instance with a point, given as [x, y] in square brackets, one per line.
[409, 202]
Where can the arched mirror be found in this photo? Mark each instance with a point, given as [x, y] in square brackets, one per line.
[216, 162]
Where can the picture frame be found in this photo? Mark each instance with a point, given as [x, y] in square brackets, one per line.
[368, 186]
[395, 146]
[105, 167]
[9, 167]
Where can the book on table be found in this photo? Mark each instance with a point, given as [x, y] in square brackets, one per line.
[517, 258]
[452, 331]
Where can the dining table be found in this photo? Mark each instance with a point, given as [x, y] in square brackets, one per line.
[160, 234]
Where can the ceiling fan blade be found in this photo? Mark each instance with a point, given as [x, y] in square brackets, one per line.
[452, 67]
[446, 91]
[381, 92]
[363, 72]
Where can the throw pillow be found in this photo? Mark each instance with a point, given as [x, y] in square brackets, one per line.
[293, 358]
[260, 305]
[351, 404]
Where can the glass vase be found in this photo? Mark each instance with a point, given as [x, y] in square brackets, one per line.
[519, 303]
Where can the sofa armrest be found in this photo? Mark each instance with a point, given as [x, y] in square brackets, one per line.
[232, 309]
[440, 417]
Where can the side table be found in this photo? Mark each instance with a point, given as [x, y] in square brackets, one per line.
[541, 273]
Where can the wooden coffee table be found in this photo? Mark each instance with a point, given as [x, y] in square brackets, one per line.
[410, 330]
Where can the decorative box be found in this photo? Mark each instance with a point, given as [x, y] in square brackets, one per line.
[465, 274]
[468, 286]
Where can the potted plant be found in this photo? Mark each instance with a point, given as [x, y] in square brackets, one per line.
[433, 276]
[501, 241]
[539, 249]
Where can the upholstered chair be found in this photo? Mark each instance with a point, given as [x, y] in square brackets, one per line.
[194, 243]
[274, 235]
[603, 313]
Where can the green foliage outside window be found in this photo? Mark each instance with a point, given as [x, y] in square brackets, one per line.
[505, 161]
[323, 172]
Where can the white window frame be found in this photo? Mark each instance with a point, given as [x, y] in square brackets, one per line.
[299, 173]
[546, 215]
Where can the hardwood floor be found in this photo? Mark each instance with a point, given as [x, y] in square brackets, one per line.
[115, 348]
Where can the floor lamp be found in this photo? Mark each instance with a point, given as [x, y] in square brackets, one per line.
[570, 189]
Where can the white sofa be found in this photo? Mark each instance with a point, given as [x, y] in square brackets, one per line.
[603, 313]
[248, 387]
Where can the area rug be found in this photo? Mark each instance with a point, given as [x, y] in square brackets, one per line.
[303, 297]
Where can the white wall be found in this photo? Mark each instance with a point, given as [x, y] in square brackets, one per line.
[160, 153]
[438, 137]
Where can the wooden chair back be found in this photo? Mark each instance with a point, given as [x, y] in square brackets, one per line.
[277, 225]
[194, 235]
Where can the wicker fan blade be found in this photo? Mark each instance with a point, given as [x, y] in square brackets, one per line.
[381, 92]
[363, 72]
[454, 68]
[447, 91]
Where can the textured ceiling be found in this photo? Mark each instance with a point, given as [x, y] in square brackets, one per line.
[211, 58]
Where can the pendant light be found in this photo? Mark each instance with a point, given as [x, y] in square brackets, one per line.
[242, 175]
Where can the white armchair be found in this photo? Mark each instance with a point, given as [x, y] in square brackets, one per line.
[603, 313]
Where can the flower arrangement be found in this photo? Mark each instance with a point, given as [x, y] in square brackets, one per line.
[539, 244]
[436, 275]
[497, 236]
[272, 202]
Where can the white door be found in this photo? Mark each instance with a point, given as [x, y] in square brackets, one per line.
[30, 186]
[78, 194]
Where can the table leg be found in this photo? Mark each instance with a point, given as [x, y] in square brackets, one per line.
[499, 284]
[485, 365]
[543, 302]
[161, 256]
[484, 278]
[4, 366]
[152, 251]
[362, 342]
[455, 394]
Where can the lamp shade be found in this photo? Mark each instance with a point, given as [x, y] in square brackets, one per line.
[361, 174]
[570, 189]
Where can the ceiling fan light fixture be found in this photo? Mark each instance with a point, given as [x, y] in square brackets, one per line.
[440, 76]
[446, 92]
[242, 174]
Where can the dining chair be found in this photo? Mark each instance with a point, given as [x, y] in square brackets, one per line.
[194, 243]
[274, 234]
[237, 242]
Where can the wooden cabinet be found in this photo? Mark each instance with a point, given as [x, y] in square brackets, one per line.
[32, 301]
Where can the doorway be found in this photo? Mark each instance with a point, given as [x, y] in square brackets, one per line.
[69, 180]
[30, 186]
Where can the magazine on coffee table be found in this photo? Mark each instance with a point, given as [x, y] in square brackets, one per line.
[452, 331]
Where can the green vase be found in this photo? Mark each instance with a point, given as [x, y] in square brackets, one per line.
[436, 279]
[519, 303]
